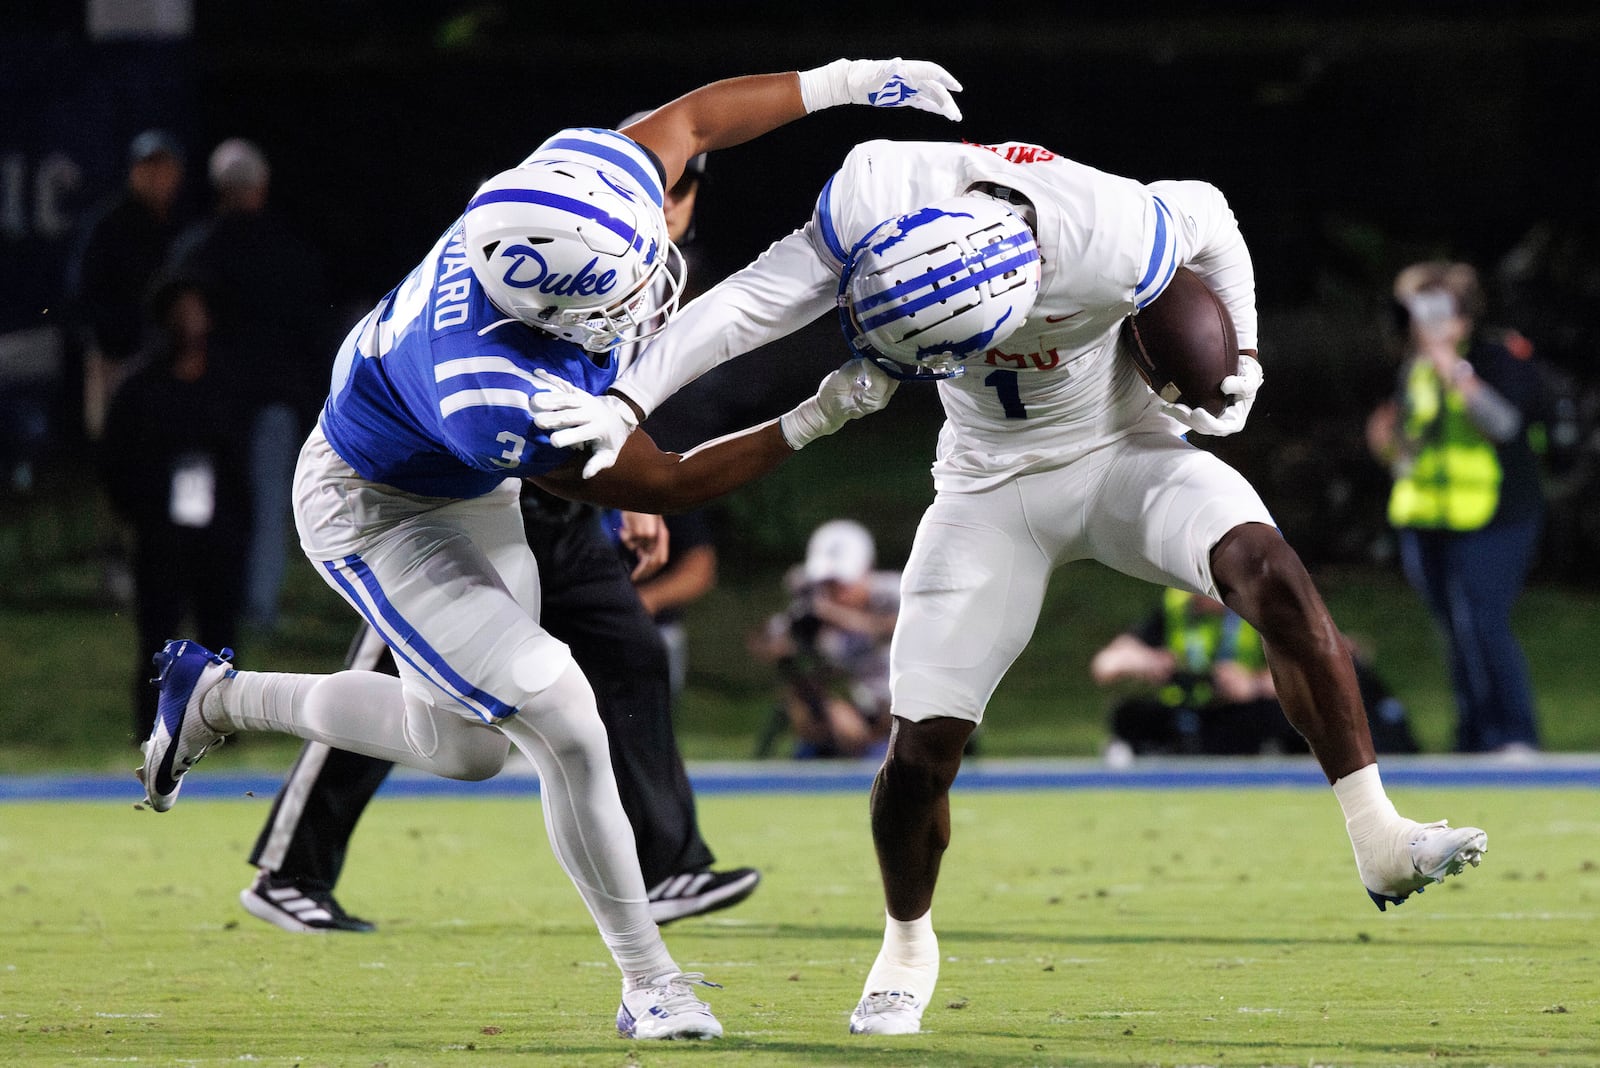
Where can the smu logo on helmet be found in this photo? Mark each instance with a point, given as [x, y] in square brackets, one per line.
[963, 347]
[580, 283]
[905, 224]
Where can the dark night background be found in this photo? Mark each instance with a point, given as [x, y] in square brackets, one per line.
[1350, 139]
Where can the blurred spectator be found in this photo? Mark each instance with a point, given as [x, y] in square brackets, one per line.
[270, 300]
[831, 645]
[689, 574]
[1466, 503]
[1211, 691]
[167, 460]
[1205, 688]
[122, 247]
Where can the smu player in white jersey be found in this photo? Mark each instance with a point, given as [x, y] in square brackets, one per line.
[1005, 273]
[455, 386]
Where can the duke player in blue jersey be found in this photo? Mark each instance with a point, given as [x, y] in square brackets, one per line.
[462, 381]
[1005, 273]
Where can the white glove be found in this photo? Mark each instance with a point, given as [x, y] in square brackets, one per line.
[881, 83]
[1241, 386]
[578, 418]
[856, 389]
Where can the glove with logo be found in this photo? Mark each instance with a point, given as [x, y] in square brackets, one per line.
[1242, 386]
[881, 83]
[856, 389]
[578, 419]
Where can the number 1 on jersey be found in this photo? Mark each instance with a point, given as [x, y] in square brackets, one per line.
[1005, 387]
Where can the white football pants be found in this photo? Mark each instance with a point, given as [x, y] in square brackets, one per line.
[1148, 505]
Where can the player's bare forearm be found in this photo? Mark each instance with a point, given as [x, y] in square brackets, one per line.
[719, 115]
[645, 479]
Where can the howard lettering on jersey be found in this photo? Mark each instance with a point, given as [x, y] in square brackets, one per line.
[453, 287]
[1016, 153]
[529, 271]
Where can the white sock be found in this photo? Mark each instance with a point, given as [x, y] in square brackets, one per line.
[909, 959]
[1366, 807]
[362, 711]
[1369, 818]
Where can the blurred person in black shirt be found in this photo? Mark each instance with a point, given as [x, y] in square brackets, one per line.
[168, 461]
[123, 246]
[270, 301]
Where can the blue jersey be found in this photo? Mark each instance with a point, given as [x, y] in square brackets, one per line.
[432, 391]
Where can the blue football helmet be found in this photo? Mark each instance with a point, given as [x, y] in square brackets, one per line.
[573, 241]
[924, 291]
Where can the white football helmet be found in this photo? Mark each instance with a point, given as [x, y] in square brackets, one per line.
[924, 291]
[574, 242]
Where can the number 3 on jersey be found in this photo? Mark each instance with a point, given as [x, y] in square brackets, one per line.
[1005, 387]
[515, 445]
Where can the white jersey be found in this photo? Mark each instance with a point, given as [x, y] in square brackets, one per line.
[1052, 390]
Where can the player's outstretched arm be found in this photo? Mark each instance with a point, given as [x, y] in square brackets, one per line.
[645, 479]
[735, 110]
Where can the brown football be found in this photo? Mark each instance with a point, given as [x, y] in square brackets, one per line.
[1183, 343]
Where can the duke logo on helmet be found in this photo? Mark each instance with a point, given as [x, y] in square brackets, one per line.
[573, 241]
[924, 291]
[545, 281]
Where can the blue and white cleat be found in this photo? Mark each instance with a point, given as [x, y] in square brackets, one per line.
[667, 1008]
[887, 1012]
[185, 671]
[1433, 851]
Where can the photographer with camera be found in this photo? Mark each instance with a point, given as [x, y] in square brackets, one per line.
[1467, 506]
[1209, 690]
[831, 645]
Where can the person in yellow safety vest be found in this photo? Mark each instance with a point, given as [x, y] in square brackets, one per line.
[1466, 506]
[1204, 688]
[1212, 690]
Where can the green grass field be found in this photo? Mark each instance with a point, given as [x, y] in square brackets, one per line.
[1078, 928]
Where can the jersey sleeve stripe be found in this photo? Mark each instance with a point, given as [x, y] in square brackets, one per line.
[481, 397]
[830, 235]
[1163, 258]
[361, 586]
[475, 365]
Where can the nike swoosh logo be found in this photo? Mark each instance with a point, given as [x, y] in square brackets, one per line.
[1062, 318]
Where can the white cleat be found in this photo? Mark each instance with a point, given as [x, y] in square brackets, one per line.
[887, 1012]
[1425, 853]
[667, 1008]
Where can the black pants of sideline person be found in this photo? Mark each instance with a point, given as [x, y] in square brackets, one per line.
[588, 601]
